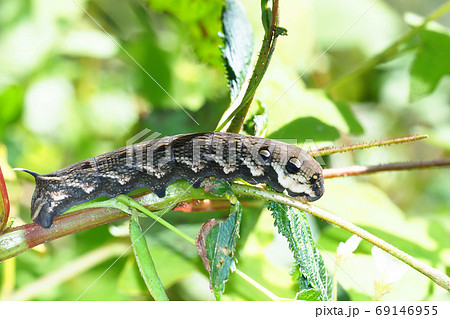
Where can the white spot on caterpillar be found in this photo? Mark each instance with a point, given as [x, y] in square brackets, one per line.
[296, 185]
[88, 188]
[58, 196]
[159, 173]
[229, 168]
[254, 169]
[226, 167]
[35, 213]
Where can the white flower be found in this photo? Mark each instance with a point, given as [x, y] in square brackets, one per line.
[345, 250]
[389, 271]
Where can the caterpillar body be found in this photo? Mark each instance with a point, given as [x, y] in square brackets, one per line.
[158, 163]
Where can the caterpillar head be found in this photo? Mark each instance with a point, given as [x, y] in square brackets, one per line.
[297, 172]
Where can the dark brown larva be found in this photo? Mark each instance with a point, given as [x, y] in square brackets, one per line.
[158, 163]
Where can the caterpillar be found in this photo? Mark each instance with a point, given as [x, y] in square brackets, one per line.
[158, 163]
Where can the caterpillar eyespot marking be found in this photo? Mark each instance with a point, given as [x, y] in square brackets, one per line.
[265, 154]
[158, 163]
[293, 166]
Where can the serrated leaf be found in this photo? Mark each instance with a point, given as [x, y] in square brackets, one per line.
[308, 295]
[293, 225]
[145, 262]
[238, 44]
[221, 248]
[430, 64]
[4, 203]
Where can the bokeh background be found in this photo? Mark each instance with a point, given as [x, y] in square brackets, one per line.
[68, 92]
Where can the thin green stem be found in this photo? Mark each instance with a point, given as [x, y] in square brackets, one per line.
[434, 274]
[157, 217]
[258, 286]
[132, 203]
[241, 104]
[388, 54]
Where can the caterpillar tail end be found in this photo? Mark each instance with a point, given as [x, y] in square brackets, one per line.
[39, 208]
[34, 174]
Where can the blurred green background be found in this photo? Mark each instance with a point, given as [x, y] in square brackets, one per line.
[68, 92]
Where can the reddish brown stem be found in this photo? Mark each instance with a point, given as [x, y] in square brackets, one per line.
[30, 235]
[4, 203]
[359, 170]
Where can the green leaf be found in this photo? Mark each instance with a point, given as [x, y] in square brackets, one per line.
[257, 120]
[308, 295]
[145, 262]
[266, 14]
[293, 225]
[320, 118]
[221, 248]
[238, 44]
[430, 65]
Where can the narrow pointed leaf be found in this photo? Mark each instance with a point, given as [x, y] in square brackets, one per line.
[145, 262]
[293, 225]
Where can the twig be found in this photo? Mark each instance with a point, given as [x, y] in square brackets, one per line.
[359, 170]
[434, 274]
[246, 190]
[360, 146]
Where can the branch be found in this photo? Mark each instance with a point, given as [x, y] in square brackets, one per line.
[359, 170]
[177, 192]
[17, 240]
[360, 146]
[434, 274]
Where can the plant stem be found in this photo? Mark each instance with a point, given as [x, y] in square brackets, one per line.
[360, 146]
[388, 54]
[245, 190]
[130, 202]
[241, 104]
[435, 275]
[258, 286]
[359, 170]
[157, 217]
